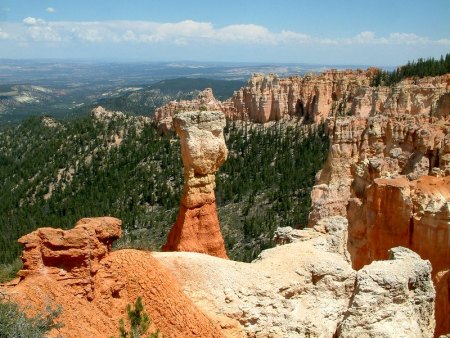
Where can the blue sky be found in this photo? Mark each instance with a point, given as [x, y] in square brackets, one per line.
[376, 32]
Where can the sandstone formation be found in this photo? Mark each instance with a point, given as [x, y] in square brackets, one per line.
[391, 298]
[314, 97]
[307, 288]
[205, 101]
[76, 270]
[389, 174]
[389, 159]
[203, 151]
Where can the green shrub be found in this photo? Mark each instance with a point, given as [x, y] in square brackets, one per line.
[9, 271]
[15, 324]
[139, 322]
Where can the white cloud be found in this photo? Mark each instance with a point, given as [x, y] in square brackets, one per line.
[45, 34]
[190, 32]
[50, 9]
[406, 38]
[246, 33]
[445, 42]
[3, 35]
[30, 21]
[369, 38]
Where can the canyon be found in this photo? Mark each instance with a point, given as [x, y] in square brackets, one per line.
[388, 170]
[305, 287]
[373, 261]
[314, 97]
[389, 175]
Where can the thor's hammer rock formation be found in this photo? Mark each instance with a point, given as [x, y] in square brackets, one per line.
[203, 151]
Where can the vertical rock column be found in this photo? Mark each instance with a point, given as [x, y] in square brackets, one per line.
[203, 151]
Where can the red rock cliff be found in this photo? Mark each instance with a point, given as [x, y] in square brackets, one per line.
[315, 97]
[389, 174]
[203, 151]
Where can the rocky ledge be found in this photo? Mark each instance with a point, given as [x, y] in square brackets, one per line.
[76, 270]
[306, 288]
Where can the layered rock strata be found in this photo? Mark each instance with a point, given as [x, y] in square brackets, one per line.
[75, 270]
[389, 174]
[204, 101]
[203, 151]
[315, 97]
[307, 288]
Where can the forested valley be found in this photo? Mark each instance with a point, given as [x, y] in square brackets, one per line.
[53, 173]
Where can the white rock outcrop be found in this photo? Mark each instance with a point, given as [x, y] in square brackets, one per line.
[393, 298]
[307, 288]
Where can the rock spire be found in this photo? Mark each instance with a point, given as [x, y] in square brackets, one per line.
[203, 151]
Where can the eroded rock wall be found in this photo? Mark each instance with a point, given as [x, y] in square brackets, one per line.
[315, 97]
[389, 174]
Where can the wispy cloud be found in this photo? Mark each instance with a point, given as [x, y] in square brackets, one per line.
[51, 9]
[3, 35]
[188, 32]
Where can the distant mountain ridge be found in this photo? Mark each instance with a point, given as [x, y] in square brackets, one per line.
[19, 101]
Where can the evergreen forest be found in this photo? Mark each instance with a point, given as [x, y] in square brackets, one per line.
[54, 173]
[419, 69]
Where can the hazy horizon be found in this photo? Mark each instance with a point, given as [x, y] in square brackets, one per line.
[377, 33]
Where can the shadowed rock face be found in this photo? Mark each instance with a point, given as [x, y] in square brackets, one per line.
[76, 270]
[203, 151]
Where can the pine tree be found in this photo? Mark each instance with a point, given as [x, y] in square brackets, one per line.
[139, 322]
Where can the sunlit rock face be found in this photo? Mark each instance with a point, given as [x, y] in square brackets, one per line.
[306, 287]
[76, 270]
[203, 151]
[389, 174]
[204, 101]
[314, 97]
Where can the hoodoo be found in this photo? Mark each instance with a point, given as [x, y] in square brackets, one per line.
[203, 151]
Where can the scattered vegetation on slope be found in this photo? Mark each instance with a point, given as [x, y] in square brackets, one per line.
[419, 68]
[53, 174]
[139, 322]
[15, 324]
[20, 101]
